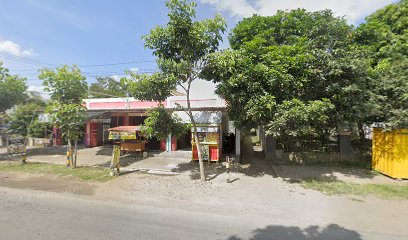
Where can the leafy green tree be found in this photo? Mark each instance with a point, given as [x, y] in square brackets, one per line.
[66, 84]
[291, 71]
[40, 129]
[12, 89]
[23, 117]
[3, 123]
[385, 37]
[67, 88]
[181, 47]
[107, 87]
[70, 119]
[161, 123]
[395, 16]
[36, 98]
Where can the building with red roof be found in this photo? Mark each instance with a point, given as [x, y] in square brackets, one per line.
[106, 113]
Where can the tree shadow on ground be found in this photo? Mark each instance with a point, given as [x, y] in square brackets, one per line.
[54, 150]
[253, 167]
[3, 156]
[251, 164]
[294, 174]
[105, 150]
[125, 160]
[212, 171]
[274, 232]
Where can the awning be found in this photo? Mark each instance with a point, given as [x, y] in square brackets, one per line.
[125, 129]
[124, 133]
[98, 117]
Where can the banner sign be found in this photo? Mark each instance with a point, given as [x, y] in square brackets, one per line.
[16, 146]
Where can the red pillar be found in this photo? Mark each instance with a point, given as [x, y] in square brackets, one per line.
[173, 144]
[125, 119]
[93, 141]
[163, 145]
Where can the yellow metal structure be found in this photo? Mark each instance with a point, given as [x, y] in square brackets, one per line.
[390, 152]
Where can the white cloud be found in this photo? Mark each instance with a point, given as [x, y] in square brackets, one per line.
[353, 10]
[240, 8]
[12, 48]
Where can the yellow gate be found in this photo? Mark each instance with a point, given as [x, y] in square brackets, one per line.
[390, 152]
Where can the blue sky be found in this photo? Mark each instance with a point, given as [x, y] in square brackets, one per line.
[46, 33]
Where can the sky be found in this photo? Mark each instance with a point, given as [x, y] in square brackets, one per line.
[103, 37]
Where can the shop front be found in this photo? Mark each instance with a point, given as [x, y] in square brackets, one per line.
[104, 114]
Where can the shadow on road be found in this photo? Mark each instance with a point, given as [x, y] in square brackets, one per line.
[125, 160]
[294, 174]
[273, 232]
[253, 167]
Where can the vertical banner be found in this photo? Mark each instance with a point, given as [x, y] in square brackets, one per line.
[115, 158]
[205, 152]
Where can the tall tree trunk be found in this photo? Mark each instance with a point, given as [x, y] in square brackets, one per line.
[70, 152]
[200, 157]
[75, 153]
[197, 142]
[361, 134]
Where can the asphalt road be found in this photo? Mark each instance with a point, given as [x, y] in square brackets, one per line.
[27, 214]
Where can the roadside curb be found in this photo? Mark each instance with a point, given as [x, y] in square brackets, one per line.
[151, 171]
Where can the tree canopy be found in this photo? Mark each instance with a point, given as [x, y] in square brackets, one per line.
[66, 84]
[107, 87]
[291, 71]
[24, 120]
[161, 123]
[68, 88]
[12, 89]
[385, 38]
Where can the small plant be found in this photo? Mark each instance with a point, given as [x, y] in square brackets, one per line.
[161, 123]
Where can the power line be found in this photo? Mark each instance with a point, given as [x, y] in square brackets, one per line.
[24, 60]
[80, 66]
[91, 74]
[113, 64]
[32, 78]
[20, 58]
[105, 72]
[33, 75]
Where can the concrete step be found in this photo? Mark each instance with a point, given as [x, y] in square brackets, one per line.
[175, 154]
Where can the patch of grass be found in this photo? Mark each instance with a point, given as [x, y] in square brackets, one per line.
[91, 174]
[329, 187]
